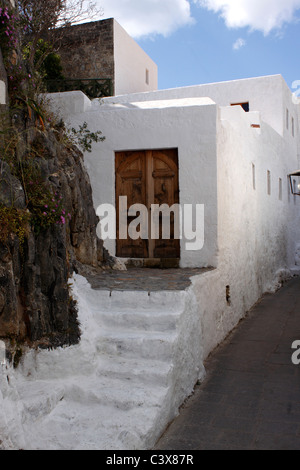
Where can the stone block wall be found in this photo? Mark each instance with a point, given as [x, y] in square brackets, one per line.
[87, 50]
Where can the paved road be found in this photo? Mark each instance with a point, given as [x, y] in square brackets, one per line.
[250, 398]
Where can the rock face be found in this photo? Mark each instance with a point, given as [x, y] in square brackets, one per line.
[35, 303]
[34, 294]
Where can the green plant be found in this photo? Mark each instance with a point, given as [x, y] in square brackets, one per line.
[44, 203]
[27, 66]
[47, 208]
[84, 138]
[46, 60]
[13, 221]
[35, 110]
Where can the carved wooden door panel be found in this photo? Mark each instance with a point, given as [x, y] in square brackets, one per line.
[130, 182]
[147, 177]
[166, 191]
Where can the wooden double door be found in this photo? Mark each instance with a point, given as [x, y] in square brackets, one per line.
[147, 177]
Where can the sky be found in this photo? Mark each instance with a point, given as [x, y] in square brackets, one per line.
[205, 41]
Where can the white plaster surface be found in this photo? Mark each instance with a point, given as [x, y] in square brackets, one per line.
[69, 103]
[265, 94]
[138, 359]
[189, 125]
[131, 63]
[2, 92]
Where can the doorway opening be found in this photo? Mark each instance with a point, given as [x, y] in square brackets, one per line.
[148, 177]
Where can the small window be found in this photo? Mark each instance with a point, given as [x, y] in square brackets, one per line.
[287, 118]
[280, 190]
[147, 77]
[245, 106]
[269, 182]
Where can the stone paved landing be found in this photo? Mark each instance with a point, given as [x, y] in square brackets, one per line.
[144, 279]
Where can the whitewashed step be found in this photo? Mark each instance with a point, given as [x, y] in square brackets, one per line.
[39, 398]
[120, 394]
[147, 372]
[135, 301]
[113, 429]
[148, 345]
[145, 321]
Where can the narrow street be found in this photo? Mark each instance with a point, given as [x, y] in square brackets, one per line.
[250, 398]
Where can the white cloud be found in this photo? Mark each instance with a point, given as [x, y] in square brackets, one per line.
[240, 42]
[262, 15]
[148, 17]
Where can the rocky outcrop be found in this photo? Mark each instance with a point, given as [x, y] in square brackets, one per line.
[36, 262]
[35, 304]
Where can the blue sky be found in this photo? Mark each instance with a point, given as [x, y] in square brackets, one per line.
[203, 41]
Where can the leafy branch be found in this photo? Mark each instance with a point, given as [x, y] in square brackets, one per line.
[84, 138]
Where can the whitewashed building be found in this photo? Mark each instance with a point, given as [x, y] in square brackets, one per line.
[234, 162]
[228, 147]
[104, 50]
[236, 143]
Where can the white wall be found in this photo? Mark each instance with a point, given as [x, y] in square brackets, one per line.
[250, 236]
[265, 94]
[257, 232]
[2, 92]
[217, 148]
[190, 127]
[131, 63]
[67, 105]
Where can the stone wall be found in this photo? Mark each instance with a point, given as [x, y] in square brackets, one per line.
[87, 50]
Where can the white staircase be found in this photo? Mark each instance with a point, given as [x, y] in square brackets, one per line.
[138, 359]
